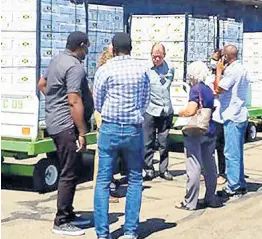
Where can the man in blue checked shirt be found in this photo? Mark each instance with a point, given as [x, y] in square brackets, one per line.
[121, 95]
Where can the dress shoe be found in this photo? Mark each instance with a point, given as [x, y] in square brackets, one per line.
[166, 175]
[149, 176]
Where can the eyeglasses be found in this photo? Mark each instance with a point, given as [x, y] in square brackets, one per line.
[158, 56]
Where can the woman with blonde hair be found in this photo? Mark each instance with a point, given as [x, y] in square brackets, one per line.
[106, 55]
[199, 150]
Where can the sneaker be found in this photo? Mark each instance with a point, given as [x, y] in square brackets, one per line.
[68, 229]
[243, 191]
[109, 237]
[128, 237]
[80, 221]
[226, 193]
[112, 187]
[149, 175]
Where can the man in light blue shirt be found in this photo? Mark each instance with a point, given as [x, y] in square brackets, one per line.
[159, 114]
[233, 87]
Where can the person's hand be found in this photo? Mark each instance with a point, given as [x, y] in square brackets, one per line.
[181, 113]
[98, 119]
[82, 143]
[220, 65]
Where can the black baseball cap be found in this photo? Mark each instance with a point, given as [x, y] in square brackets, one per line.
[76, 39]
[122, 42]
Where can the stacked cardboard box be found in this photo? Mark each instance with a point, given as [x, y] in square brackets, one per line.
[103, 22]
[231, 32]
[201, 38]
[18, 66]
[32, 33]
[169, 30]
[183, 46]
[187, 38]
[252, 58]
[58, 19]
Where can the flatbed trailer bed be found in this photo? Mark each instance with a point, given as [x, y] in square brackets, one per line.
[24, 157]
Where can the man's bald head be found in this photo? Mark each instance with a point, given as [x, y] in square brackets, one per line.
[231, 52]
[158, 53]
[158, 47]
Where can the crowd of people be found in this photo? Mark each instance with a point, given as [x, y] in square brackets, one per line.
[132, 109]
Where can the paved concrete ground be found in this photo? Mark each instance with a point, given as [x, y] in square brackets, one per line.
[28, 215]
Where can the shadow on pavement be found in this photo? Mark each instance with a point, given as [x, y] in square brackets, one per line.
[18, 183]
[24, 183]
[176, 147]
[113, 217]
[147, 228]
[176, 173]
[254, 187]
[122, 190]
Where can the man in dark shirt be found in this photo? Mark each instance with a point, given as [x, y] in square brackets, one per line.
[65, 87]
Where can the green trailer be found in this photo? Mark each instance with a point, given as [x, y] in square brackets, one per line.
[22, 105]
[254, 123]
[28, 151]
[36, 159]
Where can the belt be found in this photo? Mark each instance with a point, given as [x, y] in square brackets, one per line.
[120, 124]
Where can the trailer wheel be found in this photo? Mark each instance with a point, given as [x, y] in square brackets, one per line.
[46, 174]
[251, 134]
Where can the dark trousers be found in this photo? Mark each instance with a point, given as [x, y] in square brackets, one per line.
[66, 148]
[160, 126]
[220, 144]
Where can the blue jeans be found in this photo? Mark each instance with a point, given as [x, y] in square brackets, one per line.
[113, 139]
[234, 154]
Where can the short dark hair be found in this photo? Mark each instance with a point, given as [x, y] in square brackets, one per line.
[75, 40]
[122, 43]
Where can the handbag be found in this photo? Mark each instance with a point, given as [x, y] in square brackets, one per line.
[199, 123]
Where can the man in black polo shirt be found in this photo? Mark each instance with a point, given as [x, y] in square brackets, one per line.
[66, 90]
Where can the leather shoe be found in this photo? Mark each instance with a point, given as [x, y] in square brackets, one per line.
[167, 176]
[150, 174]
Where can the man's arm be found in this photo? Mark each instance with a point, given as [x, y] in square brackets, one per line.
[219, 72]
[146, 93]
[42, 85]
[99, 90]
[77, 112]
[223, 83]
[73, 79]
[190, 110]
[43, 81]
